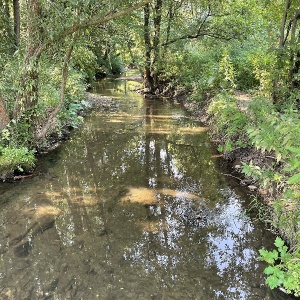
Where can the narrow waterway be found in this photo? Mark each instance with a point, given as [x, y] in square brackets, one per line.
[133, 206]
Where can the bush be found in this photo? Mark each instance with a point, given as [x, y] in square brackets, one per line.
[15, 158]
[228, 123]
[286, 273]
[85, 61]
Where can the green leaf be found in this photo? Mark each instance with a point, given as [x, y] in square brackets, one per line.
[268, 256]
[279, 242]
[273, 281]
[294, 179]
[269, 270]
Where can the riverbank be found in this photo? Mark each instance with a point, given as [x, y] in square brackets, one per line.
[20, 170]
[262, 149]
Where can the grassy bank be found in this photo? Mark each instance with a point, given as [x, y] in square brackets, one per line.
[264, 146]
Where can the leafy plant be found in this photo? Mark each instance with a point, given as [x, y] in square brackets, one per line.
[15, 158]
[228, 123]
[283, 269]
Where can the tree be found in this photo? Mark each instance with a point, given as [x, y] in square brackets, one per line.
[17, 22]
[287, 79]
[44, 35]
[4, 119]
[170, 25]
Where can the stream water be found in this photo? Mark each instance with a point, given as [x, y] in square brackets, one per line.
[133, 206]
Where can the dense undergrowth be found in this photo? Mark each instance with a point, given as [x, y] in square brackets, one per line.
[17, 142]
[260, 136]
[264, 132]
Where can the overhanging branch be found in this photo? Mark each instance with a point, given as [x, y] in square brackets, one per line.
[92, 22]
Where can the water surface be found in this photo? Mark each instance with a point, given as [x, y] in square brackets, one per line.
[133, 206]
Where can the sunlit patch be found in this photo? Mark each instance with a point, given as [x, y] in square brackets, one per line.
[153, 226]
[43, 211]
[86, 200]
[192, 130]
[148, 196]
[159, 117]
[123, 117]
[52, 194]
[179, 194]
[158, 130]
[145, 196]
[217, 155]
[116, 120]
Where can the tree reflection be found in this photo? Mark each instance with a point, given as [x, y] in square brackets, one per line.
[140, 209]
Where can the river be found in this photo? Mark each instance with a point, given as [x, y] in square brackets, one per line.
[133, 206]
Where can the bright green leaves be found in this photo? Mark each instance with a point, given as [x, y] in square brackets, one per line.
[294, 165]
[269, 256]
[278, 134]
[229, 123]
[294, 179]
[227, 73]
[275, 278]
[283, 269]
[15, 158]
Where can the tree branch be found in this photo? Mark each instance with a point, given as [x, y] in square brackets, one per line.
[198, 35]
[283, 22]
[97, 20]
[43, 131]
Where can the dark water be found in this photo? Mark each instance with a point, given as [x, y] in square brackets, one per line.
[132, 207]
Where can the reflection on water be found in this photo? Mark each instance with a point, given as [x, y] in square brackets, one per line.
[132, 207]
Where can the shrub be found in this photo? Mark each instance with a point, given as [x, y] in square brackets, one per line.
[15, 158]
[286, 272]
[228, 123]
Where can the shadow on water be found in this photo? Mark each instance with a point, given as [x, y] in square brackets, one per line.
[133, 206]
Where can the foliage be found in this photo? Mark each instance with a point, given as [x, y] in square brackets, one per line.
[283, 269]
[85, 61]
[15, 158]
[199, 71]
[226, 73]
[228, 123]
[275, 134]
[74, 98]
[110, 65]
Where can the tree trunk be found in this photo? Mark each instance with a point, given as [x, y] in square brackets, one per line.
[7, 17]
[16, 7]
[295, 53]
[156, 42]
[27, 96]
[4, 119]
[152, 48]
[148, 80]
[282, 38]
